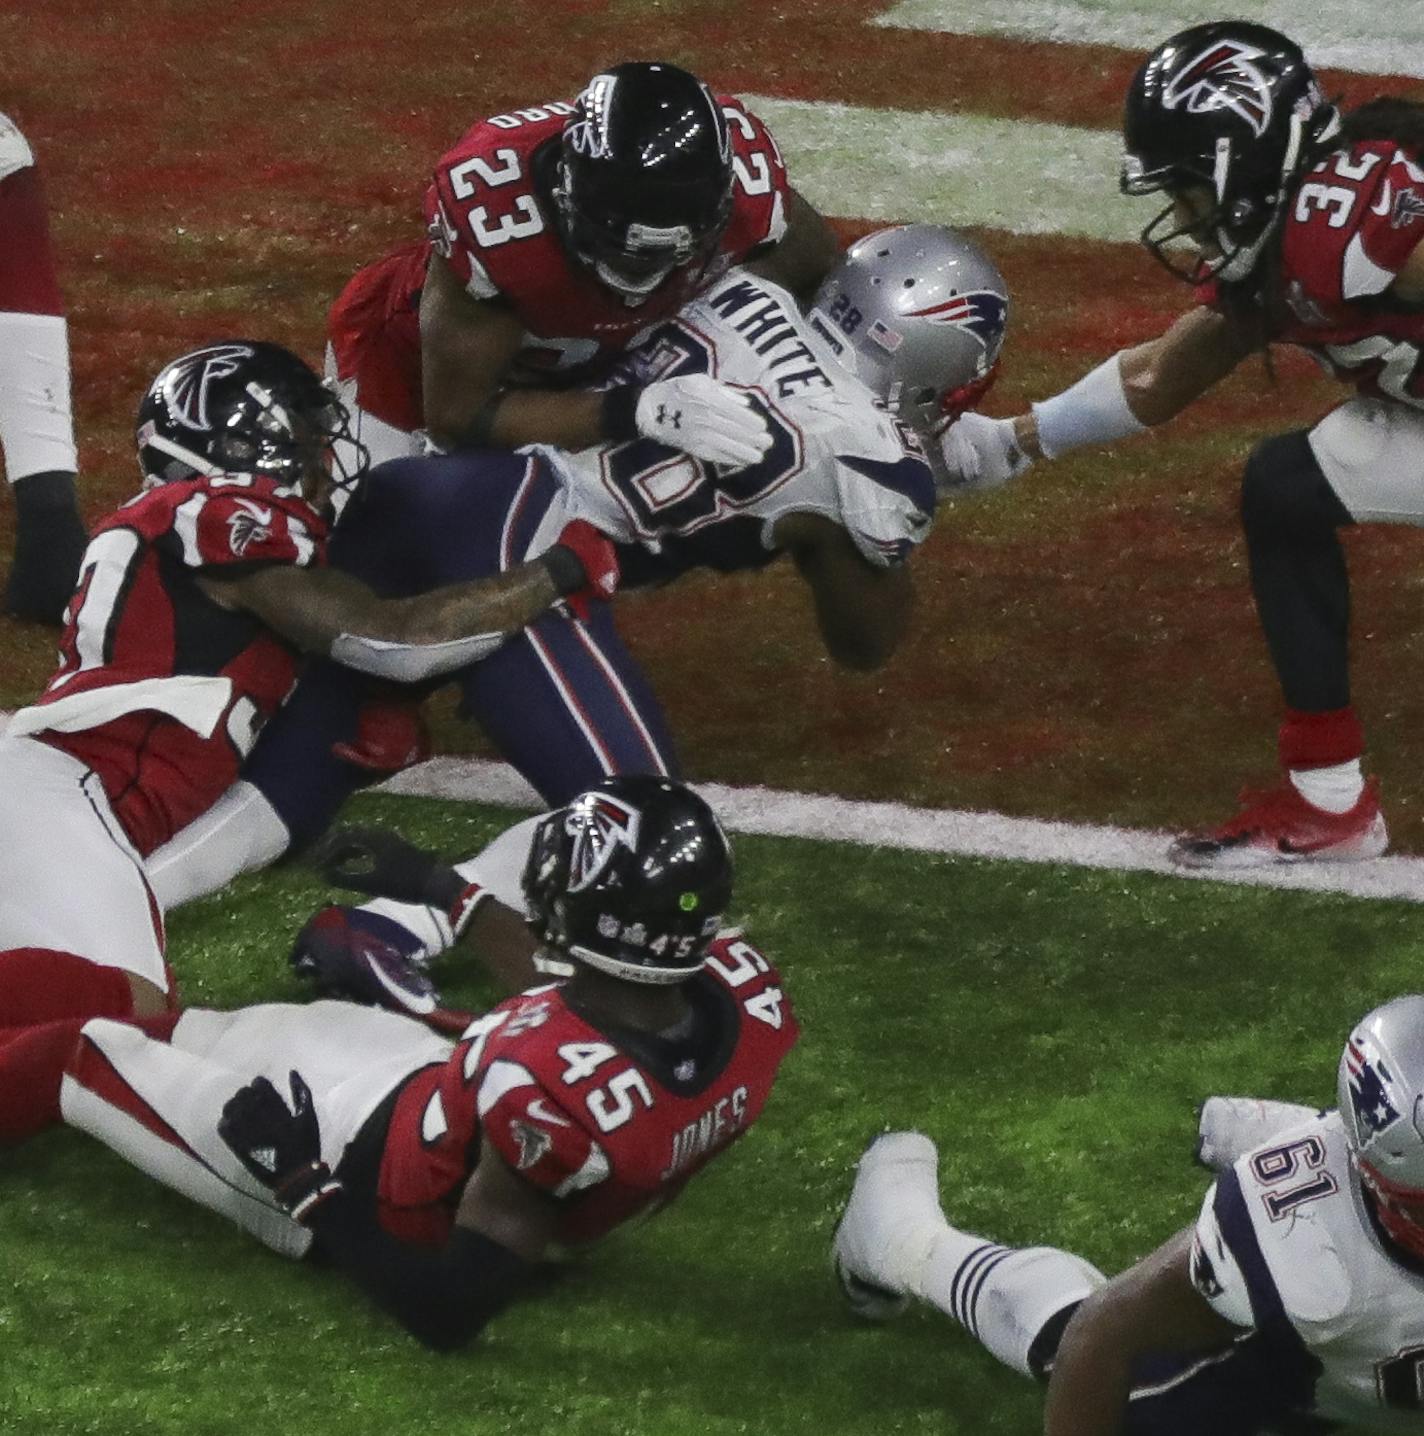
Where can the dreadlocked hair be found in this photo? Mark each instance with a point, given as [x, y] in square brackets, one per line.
[1385, 118]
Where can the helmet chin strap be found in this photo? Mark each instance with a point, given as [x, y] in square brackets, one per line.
[632, 971]
[630, 292]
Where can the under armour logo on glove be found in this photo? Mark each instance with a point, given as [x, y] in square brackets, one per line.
[705, 418]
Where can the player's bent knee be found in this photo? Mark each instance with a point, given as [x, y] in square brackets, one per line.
[1285, 493]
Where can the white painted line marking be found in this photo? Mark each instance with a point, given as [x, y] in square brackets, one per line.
[1382, 37]
[1017, 175]
[929, 830]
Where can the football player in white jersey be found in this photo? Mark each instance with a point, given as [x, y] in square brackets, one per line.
[904, 333]
[1296, 1300]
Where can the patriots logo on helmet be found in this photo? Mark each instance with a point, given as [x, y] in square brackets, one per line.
[188, 381]
[1223, 78]
[598, 827]
[980, 311]
[1368, 1093]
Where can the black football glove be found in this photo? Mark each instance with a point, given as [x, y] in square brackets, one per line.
[357, 956]
[383, 864]
[279, 1146]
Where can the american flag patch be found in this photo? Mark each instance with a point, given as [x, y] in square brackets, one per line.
[885, 337]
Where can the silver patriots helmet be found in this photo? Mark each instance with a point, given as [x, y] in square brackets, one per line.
[1380, 1090]
[918, 314]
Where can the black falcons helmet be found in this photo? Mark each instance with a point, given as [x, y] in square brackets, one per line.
[631, 878]
[241, 407]
[1232, 107]
[644, 182]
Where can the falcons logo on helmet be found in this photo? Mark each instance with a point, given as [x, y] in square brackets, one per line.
[980, 311]
[187, 385]
[1223, 78]
[1368, 1094]
[598, 828]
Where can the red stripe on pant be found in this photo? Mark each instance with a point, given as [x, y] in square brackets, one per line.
[32, 1066]
[28, 284]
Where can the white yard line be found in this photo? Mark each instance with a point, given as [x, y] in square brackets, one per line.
[932, 830]
[1018, 175]
[1370, 37]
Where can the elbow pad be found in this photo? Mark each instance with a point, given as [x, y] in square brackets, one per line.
[411, 662]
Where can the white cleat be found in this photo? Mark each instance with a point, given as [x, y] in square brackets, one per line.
[889, 1224]
[1229, 1127]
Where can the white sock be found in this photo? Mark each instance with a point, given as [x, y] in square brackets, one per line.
[1003, 1296]
[1335, 789]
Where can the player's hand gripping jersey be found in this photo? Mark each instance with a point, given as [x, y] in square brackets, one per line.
[159, 690]
[1287, 1245]
[1354, 220]
[612, 1131]
[492, 225]
[835, 451]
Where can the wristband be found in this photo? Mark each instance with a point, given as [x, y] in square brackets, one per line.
[620, 413]
[565, 568]
[1092, 411]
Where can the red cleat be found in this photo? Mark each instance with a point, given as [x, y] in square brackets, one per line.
[1277, 825]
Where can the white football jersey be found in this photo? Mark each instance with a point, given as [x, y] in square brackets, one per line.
[835, 450]
[1286, 1244]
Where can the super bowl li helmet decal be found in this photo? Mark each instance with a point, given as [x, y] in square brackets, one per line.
[1381, 1097]
[1230, 111]
[631, 878]
[917, 313]
[240, 407]
[644, 179]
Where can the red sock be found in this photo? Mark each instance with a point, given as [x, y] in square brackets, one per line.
[32, 1064]
[39, 984]
[1320, 740]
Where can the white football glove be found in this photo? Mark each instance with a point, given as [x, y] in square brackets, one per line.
[705, 418]
[981, 453]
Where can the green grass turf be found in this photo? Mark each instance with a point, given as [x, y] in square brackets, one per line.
[1051, 1028]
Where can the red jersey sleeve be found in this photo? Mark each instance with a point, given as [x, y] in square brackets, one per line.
[1353, 222]
[537, 1136]
[759, 183]
[482, 195]
[227, 531]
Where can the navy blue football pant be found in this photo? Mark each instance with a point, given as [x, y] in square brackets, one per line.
[1244, 1390]
[564, 702]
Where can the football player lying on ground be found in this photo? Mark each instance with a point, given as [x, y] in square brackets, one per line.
[437, 1173]
[36, 422]
[554, 235]
[1301, 228]
[182, 639]
[1294, 1302]
[904, 333]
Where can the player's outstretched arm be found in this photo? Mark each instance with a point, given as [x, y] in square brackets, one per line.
[1152, 1306]
[410, 639]
[1132, 390]
[862, 611]
[467, 346]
